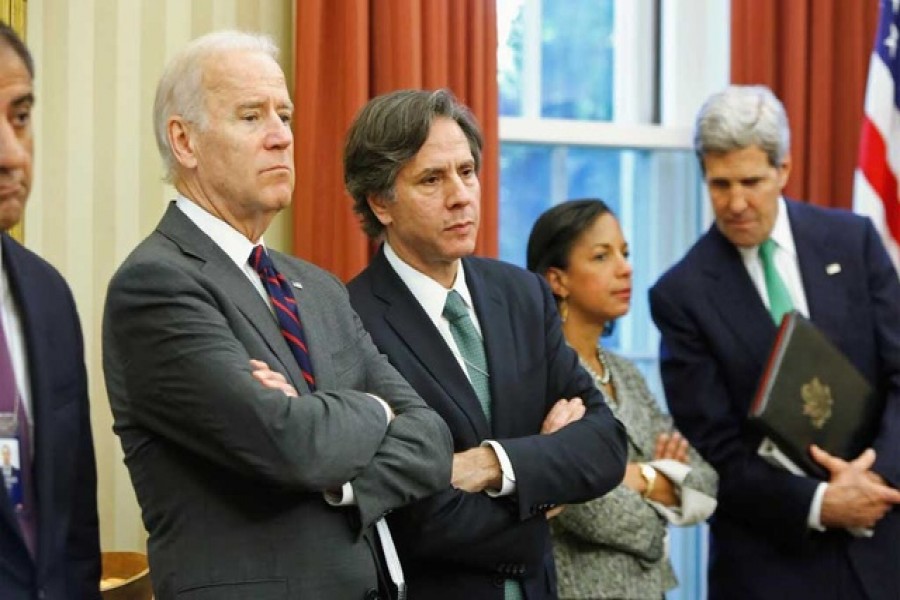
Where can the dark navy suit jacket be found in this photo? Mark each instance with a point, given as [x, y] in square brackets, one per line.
[68, 558]
[716, 335]
[460, 545]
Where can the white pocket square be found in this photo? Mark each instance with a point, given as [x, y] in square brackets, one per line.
[299, 285]
[833, 268]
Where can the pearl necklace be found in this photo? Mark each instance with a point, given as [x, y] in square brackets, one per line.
[607, 374]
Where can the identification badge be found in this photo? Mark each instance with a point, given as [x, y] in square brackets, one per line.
[10, 469]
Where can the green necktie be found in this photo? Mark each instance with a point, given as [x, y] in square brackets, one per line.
[779, 298]
[471, 348]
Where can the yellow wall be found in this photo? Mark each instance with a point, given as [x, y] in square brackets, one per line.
[98, 189]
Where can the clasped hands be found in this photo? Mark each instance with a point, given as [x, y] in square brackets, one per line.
[855, 496]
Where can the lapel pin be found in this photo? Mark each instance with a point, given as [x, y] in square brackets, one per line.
[833, 268]
[299, 285]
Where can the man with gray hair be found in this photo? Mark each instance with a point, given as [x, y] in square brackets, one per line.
[776, 534]
[481, 341]
[265, 435]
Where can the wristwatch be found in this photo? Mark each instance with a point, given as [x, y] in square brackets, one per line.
[649, 475]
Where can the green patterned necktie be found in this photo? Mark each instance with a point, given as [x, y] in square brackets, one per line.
[779, 298]
[471, 347]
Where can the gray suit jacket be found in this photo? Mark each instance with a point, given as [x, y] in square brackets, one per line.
[230, 475]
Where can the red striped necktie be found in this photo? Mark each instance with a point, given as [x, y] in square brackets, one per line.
[285, 306]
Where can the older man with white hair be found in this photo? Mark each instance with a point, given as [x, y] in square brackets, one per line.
[264, 433]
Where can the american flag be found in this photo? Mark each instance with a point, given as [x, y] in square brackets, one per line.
[875, 190]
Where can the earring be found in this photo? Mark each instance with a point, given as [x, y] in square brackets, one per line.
[563, 310]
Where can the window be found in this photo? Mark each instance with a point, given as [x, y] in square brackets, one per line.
[597, 99]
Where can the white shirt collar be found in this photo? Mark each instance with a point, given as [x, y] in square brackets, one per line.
[430, 294]
[234, 243]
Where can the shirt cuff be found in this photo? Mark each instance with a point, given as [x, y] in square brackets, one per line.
[814, 520]
[508, 479]
[345, 497]
[388, 413]
[695, 505]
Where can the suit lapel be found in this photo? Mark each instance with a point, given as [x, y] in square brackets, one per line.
[414, 328]
[499, 343]
[731, 291]
[220, 268]
[825, 295]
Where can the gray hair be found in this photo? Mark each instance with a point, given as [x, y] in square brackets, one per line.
[386, 134]
[742, 116]
[180, 89]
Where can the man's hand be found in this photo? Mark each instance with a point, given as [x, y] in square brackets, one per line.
[271, 379]
[476, 469]
[855, 496]
[671, 445]
[562, 413]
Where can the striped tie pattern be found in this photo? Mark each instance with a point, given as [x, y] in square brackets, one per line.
[285, 306]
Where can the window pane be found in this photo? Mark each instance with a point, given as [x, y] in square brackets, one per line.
[577, 59]
[557, 63]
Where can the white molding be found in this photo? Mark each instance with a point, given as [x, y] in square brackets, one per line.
[594, 133]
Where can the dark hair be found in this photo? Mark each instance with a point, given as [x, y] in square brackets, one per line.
[386, 134]
[12, 39]
[556, 230]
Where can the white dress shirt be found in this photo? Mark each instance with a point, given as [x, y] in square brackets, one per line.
[788, 267]
[432, 296]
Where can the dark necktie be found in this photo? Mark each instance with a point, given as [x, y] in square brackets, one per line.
[13, 410]
[779, 297]
[285, 306]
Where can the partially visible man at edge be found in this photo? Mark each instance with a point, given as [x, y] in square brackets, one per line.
[49, 542]
[265, 435]
[480, 340]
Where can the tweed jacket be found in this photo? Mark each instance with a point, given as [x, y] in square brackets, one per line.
[614, 546]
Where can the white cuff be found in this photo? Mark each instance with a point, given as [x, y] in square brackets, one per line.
[508, 485]
[814, 520]
[345, 497]
[387, 407]
[695, 505]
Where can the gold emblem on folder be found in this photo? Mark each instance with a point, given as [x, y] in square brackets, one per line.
[817, 402]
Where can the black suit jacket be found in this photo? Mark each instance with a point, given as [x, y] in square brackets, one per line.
[68, 558]
[461, 545]
[716, 335]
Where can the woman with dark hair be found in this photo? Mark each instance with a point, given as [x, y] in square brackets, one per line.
[615, 546]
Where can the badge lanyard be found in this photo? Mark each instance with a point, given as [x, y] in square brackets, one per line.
[11, 453]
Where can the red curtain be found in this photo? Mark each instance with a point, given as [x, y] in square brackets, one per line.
[348, 51]
[814, 55]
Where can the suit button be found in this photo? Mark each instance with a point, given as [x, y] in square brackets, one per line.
[372, 595]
